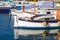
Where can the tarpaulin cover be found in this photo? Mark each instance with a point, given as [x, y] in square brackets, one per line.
[45, 4]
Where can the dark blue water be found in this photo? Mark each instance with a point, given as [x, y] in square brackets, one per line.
[6, 27]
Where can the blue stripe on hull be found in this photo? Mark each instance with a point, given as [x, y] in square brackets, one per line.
[37, 28]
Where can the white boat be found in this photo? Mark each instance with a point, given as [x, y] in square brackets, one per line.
[6, 3]
[24, 25]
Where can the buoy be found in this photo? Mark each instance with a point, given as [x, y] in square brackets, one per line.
[58, 23]
[44, 23]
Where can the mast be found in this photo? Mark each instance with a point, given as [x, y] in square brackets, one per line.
[34, 7]
[23, 7]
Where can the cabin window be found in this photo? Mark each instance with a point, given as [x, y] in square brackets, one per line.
[48, 12]
[38, 12]
[19, 2]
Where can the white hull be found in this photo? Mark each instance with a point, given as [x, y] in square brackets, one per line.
[20, 23]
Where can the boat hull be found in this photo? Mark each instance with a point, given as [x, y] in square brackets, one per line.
[27, 28]
[19, 28]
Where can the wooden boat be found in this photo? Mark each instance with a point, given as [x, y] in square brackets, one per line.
[26, 23]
